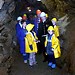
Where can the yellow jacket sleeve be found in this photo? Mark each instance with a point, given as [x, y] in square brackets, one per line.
[54, 41]
[56, 46]
[46, 41]
[29, 40]
[56, 31]
[35, 36]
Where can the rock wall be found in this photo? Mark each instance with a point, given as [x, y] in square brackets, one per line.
[7, 7]
[58, 8]
[69, 45]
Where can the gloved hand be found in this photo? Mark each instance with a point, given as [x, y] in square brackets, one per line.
[31, 47]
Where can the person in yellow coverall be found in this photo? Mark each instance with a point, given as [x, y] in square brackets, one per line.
[30, 42]
[56, 28]
[52, 47]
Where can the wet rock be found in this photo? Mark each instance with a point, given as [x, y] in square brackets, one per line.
[11, 7]
[4, 17]
[58, 8]
[1, 3]
[1, 28]
[6, 49]
[3, 71]
[8, 1]
[1, 57]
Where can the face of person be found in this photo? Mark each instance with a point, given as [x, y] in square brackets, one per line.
[38, 15]
[50, 32]
[24, 24]
[19, 21]
[53, 22]
[43, 18]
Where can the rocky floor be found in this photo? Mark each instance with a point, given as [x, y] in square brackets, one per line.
[20, 68]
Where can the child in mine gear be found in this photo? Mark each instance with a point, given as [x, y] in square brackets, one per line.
[52, 47]
[31, 46]
[56, 28]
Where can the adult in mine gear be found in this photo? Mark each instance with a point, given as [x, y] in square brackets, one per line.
[21, 35]
[37, 20]
[24, 17]
[42, 30]
[56, 28]
[44, 23]
[31, 46]
[38, 12]
[52, 47]
[18, 27]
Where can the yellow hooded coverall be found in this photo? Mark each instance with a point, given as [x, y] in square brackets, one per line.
[30, 40]
[56, 28]
[56, 31]
[55, 46]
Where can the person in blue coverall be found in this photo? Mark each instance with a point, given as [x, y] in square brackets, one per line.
[21, 35]
[18, 27]
[37, 20]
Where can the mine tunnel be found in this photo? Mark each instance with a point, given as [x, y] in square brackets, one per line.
[11, 61]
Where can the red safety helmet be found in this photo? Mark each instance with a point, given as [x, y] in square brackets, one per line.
[38, 12]
[24, 17]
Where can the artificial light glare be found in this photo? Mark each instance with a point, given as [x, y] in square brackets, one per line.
[38, 0]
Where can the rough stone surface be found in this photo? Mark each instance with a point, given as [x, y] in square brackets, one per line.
[4, 17]
[6, 9]
[3, 71]
[1, 3]
[58, 8]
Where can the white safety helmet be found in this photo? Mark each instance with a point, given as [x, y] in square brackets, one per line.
[42, 14]
[19, 18]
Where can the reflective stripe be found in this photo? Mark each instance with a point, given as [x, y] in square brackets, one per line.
[49, 40]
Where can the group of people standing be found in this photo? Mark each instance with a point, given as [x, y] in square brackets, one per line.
[38, 35]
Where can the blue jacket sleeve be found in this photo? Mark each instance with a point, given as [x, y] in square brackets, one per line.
[21, 34]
